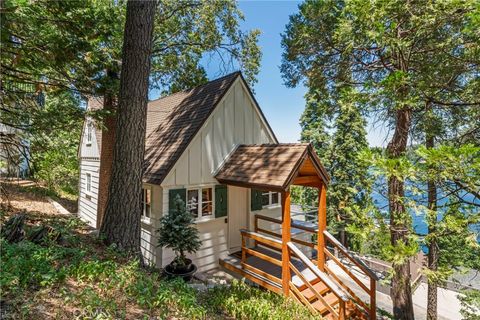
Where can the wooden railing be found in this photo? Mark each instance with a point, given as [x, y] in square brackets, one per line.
[277, 235]
[330, 241]
[371, 290]
[266, 241]
[341, 295]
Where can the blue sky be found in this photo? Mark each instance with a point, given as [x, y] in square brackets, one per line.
[282, 106]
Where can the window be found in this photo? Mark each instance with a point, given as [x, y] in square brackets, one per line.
[146, 203]
[89, 132]
[88, 182]
[270, 199]
[200, 202]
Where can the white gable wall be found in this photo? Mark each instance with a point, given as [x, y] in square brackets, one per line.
[89, 155]
[236, 120]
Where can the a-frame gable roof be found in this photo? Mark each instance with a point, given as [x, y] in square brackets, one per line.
[272, 166]
[173, 122]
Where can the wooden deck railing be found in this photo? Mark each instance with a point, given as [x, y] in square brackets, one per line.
[341, 295]
[371, 291]
[266, 241]
[277, 235]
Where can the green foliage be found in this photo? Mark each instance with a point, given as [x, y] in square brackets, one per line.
[54, 137]
[349, 189]
[178, 232]
[80, 281]
[245, 302]
[27, 265]
[470, 304]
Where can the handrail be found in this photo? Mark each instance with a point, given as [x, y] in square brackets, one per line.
[293, 224]
[261, 238]
[359, 263]
[337, 290]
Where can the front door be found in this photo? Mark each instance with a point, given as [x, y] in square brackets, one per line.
[237, 216]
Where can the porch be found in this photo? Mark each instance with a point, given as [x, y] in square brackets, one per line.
[284, 261]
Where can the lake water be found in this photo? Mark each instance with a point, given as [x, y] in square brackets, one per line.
[419, 223]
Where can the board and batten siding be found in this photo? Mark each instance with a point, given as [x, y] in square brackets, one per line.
[236, 120]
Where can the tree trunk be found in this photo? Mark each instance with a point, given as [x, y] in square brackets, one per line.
[121, 223]
[106, 155]
[401, 284]
[432, 246]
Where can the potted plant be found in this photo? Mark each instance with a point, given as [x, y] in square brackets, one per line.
[178, 233]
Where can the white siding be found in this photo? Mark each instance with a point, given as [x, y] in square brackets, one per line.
[236, 120]
[87, 201]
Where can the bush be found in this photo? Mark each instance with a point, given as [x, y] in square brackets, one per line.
[245, 302]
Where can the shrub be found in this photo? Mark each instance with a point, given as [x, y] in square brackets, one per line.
[245, 302]
[178, 232]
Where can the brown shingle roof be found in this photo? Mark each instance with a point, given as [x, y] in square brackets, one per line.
[173, 121]
[269, 166]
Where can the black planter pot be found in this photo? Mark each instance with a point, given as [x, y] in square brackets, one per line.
[185, 273]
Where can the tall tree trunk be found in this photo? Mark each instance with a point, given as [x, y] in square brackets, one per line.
[106, 155]
[401, 284]
[432, 246]
[121, 223]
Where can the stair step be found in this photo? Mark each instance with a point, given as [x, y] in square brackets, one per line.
[331, 300]
[320, 287]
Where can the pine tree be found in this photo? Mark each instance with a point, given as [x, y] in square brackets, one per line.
[350, 185]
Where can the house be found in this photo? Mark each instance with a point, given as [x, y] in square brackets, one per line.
[213, 147]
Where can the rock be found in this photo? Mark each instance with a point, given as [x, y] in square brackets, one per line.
[198, 286]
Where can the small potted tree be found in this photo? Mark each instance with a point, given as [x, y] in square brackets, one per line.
[178, 233]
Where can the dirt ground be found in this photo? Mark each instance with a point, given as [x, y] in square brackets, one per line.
[25, 195]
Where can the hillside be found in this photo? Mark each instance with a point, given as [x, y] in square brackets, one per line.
[72, 275]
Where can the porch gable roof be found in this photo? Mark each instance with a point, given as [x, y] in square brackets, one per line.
[273, 167]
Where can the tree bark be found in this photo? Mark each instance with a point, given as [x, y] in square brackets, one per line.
[106, 155]
[401, 283]
[121, 223]
[432, 246]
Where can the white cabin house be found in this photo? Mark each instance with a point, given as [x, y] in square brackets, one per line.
[213, 147]
[189, 136]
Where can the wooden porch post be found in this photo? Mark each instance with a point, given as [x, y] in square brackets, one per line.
[322, 225]
[286, 235]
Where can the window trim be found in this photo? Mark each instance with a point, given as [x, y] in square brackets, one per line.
[270, 204]
[199, 217]
[144, 218]
[88, 185]
[89, 133]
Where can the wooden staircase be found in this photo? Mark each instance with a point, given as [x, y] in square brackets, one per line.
[323, 295]
[283, 268]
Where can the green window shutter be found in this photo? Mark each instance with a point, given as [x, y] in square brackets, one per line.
[221, 202]
[172, 194]
[256, 200]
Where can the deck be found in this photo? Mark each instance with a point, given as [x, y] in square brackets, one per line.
[234, 263]
[323, 286]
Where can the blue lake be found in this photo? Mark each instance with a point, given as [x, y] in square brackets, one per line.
[419, 223]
